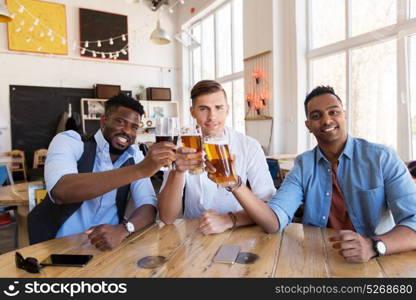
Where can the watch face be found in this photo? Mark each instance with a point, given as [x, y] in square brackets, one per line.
[130, 227]
[381, 248]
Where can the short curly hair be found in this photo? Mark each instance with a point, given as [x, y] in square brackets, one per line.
[319, 90]
[125, 101]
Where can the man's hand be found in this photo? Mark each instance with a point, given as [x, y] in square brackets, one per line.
[353, 247]
[211, 169]
[214, 222]
[159, 155]
[106, 236]
[187, 159]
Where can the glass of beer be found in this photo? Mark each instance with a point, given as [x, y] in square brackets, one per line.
[167, 130]
[218, 155]
[191, 137]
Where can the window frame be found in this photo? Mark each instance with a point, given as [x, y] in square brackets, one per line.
[400, 31]
[221, 79]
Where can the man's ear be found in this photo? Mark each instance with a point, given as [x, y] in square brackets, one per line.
[192, 111]
[103, 119]
[308, 125]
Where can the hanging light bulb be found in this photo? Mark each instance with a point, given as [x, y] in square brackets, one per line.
[49, 32]
[124, 51]
[36, 23]
[102, 55]
[83, 50]
[13, 15]
[111, 42]
[31, 28]
[110, 55]
[94, 54]
[123, 37]
[41, 34]
[52, 38]
[28, 40]
[99, 44]
[63, 41]
[86, 44]
[182, 1]
[39, 48]
[171, 10]
[18, 29]
[22, 23]
[21, 9]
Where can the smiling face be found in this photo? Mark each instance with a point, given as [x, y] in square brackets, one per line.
[326, 119]
[210, 112]
[119, 127]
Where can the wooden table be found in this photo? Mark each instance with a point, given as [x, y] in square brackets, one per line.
[17, 195]
[300, 251]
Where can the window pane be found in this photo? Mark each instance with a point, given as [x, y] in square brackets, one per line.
[369, 15]
[196, 65]
[330, 71]
[208, 63]
[412, 8]
[239, 105]
[373, 108]
[229, 91]
[196, 32]
[223, 30]
[327, 22]
[412, 57]
[238, 35]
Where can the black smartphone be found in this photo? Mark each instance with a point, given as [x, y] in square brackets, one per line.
[67, 260]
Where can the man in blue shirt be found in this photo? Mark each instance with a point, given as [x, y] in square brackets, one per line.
[345, 183]
[88, 189]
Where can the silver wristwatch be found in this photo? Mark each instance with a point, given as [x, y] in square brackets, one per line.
[379, 247]
[128, 226]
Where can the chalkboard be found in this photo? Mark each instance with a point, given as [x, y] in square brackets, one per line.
[36, 111]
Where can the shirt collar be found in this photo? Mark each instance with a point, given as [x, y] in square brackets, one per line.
[348, 150]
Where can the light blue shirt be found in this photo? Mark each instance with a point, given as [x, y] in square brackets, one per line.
[372, 178]
[64, 152]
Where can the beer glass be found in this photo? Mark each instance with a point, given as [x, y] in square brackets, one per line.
[218, 155]
[167, 130]
[191, 137]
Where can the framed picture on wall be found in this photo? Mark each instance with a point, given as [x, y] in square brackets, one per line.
[103, 35]
[38, 26]
[95, 109]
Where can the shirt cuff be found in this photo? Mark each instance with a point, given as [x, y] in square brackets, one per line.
[281, 216]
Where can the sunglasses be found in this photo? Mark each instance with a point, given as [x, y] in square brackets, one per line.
[29, 264]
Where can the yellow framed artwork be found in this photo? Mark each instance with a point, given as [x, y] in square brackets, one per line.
[37, 26]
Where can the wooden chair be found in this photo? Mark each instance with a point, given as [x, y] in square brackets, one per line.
[8, 221]
[20, 165]
[39, 158]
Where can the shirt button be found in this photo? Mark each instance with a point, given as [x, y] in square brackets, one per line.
[324, 217]
[329, 170]
[327, 193]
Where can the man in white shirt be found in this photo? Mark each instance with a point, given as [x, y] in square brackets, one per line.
[217, 208]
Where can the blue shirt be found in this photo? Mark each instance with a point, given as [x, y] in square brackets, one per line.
[63, 154]
[372, 178]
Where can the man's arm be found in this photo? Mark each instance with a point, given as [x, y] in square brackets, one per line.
[74, 188]
[170, 197]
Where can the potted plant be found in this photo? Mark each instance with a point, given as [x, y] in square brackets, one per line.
[141, 92]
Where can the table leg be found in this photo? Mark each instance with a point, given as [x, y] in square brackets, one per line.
[22, 212]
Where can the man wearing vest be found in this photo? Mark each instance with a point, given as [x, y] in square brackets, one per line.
[345, 183]
[89, 182]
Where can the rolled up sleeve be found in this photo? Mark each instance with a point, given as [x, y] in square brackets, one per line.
[64, 151]
[288, 197]
[142, 191]
[400, 191]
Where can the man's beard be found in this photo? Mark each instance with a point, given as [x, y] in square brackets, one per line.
[116, 151]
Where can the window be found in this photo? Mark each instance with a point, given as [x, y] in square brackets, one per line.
[364, 57]
[220, 56]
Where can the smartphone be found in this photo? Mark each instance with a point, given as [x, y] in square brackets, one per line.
[227, 254]
[66, 260]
